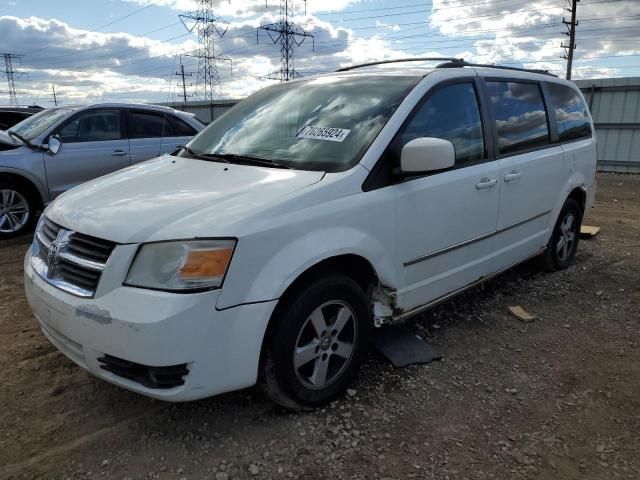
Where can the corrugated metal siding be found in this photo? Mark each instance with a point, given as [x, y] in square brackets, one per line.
[615, 108]
[206, 112]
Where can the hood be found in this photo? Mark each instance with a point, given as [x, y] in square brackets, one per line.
[8, 142]
[174, 198]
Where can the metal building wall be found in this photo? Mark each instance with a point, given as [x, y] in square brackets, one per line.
[205, 111]
[615, 108]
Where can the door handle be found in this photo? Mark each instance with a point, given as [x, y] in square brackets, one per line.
[513, 175]
[486, 183]
[118, 153]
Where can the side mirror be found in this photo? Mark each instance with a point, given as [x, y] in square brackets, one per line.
[54, 144]
[427, 154]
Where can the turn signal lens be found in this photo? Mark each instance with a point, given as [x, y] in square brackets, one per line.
[201, 264]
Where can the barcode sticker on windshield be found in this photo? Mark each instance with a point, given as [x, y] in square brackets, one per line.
[324, 133]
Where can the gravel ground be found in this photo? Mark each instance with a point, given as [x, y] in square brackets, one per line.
[558, 398]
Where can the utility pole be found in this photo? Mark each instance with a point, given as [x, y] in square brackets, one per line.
[571, 33]
[209, 26]
[55, 99]
[184, 85]
[10, 74]
[289, 35]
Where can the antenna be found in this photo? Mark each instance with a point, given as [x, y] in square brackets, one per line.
[55, 99]
[289, 35]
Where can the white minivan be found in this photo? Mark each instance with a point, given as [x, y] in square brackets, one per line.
[267, 249]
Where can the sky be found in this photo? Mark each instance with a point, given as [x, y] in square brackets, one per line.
[130, 50]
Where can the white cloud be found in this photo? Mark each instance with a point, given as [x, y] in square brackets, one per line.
[531, 33]
[117, 66]
[86, 64]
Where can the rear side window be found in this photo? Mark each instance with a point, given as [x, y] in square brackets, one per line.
[92, 126]
[148, 125]
[180, 127]
[450, 113]
[519, 115]
[571, 112]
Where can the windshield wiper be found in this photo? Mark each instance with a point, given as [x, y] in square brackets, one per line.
[250, 160]
[207, 157]
[24, 140]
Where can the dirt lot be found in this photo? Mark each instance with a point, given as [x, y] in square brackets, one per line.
[558, 398]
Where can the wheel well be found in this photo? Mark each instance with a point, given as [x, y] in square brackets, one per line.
[353, 266]
[580, 196]
[19, 180]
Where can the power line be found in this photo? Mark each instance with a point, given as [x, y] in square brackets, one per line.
[96, 29]
[110, 55]
[92, 54]
[122, 18]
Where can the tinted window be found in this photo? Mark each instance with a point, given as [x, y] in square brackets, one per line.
[9, 119]
[92, 126]
[181, 128]
[451, 113]
[520, 117]
[571, 112]
[149, 125]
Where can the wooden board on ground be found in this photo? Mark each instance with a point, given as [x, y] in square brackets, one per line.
[521, 314]
[587, 231]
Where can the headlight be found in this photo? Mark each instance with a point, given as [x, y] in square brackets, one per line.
[182, 265]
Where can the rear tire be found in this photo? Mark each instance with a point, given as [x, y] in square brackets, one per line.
[563, 243]
[18, 207]
[317, 344]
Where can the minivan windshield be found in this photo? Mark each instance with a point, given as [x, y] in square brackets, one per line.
[32, 127]
[323, 123]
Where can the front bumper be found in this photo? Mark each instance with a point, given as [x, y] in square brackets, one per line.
[221, 348]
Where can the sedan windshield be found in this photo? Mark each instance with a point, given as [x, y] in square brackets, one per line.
[32, 127]
[324, 123]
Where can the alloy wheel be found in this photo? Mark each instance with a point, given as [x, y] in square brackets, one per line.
[325, 344]
[567, 239]
[14, 211]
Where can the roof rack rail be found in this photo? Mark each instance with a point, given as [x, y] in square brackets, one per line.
[449, 62]
[399, 60]
[461, 63]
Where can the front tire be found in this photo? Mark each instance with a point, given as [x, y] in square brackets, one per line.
[563, 243]
[17, 210]
[318, 343]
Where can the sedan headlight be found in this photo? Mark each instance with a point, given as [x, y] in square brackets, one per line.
[182, 265]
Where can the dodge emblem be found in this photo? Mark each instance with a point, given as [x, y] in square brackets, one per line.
[57, 246]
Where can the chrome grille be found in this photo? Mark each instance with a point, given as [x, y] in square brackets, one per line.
[69, 260]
